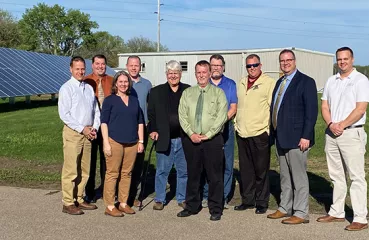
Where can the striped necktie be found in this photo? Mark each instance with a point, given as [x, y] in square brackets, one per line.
[198, 113]
[277, 102]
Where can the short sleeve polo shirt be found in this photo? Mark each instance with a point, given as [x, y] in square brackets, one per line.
[342, 95]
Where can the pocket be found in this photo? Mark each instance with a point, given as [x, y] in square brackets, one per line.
[363, 139]
[212, 110]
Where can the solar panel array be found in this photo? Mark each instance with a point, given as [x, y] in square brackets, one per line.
[24, 73]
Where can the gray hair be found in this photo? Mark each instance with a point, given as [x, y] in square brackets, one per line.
[174, 66]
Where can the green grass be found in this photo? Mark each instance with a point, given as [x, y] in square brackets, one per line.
[32, 134]
[31, 151]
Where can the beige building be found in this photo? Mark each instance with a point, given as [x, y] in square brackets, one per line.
[318, 65]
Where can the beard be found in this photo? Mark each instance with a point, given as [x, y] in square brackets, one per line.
[216, 76]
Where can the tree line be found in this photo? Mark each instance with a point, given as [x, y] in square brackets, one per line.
[363, 69]
[56, 30]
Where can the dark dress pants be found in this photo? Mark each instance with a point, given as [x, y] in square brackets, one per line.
[254, 160]
[206, 156]
[96, 145]
[137, 171]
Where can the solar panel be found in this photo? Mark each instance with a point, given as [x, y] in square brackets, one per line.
[24, 73]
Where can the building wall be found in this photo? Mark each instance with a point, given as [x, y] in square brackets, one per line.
[318, 66]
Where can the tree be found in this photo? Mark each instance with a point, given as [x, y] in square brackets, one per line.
[103, 43]
[54, 29]
[363, 69]
[142, 44]
[9, 32]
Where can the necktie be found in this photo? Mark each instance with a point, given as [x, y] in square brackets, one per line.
[277, 101]
[198, 114]
[100, 92]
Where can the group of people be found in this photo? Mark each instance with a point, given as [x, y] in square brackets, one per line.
[194, 128]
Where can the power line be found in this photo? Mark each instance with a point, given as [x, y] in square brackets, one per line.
[258, 26]
[86, 9]
[276, 33]
[209, 11]
[141, 3]
[94, 16]
[266, 18]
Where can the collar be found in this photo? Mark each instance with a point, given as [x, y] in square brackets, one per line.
[139, 79]
[350, 76]
[95, 77]
[248, 79]
[206, 88]
[170, 89]
[77, 82]
[245, 80]
[220, 82]
[290, 77]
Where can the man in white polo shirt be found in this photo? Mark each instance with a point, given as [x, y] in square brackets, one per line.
[344, 102]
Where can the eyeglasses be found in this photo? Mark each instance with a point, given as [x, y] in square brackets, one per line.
[255, 65]
[215, 65]
[286, 61]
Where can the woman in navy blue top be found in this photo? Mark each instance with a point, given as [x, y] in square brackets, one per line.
[122, 131]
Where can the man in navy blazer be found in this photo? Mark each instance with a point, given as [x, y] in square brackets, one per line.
[294, 112]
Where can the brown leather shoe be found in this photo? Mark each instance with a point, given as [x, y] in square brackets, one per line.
[277, 214]
[294, 220]
[327, 219]
[87, 206]
[127, 209]
[72, 210]
[114, 212]
[158, 206]
[355, 226]
[137, 203]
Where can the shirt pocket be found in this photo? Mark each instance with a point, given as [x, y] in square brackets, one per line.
[212, 108]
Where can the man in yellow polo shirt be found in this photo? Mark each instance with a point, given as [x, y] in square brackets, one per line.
[252, 126]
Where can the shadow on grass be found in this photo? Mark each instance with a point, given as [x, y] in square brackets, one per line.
[6, 107]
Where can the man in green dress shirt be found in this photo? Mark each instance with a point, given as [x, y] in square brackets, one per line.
[202, 114]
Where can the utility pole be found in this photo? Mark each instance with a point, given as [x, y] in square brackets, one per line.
[158, 40]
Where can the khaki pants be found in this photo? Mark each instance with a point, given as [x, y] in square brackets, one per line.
[120, 163]
[346, 154]
[76, 167]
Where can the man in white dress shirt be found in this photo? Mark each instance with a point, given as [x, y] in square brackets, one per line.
[79, 111]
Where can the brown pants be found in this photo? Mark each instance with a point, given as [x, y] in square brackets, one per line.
[76, 167]
[121, 162]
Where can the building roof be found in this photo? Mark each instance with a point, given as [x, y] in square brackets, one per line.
[207, 52]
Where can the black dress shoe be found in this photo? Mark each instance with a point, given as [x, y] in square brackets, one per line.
[89, 199]
[243, 207]
[261, 210]
[215, 217]
[184, 213]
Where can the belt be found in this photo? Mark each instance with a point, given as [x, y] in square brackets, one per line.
[350, 127]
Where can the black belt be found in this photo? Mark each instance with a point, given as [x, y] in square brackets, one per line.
[350, 127]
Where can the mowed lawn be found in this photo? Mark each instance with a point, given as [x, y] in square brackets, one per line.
[31, 153]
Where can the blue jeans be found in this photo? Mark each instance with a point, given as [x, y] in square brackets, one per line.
[228, 135]
[164, 163]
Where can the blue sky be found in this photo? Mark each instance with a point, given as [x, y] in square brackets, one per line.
[320, 25]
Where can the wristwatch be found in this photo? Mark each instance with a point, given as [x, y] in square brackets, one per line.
[141, 141]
